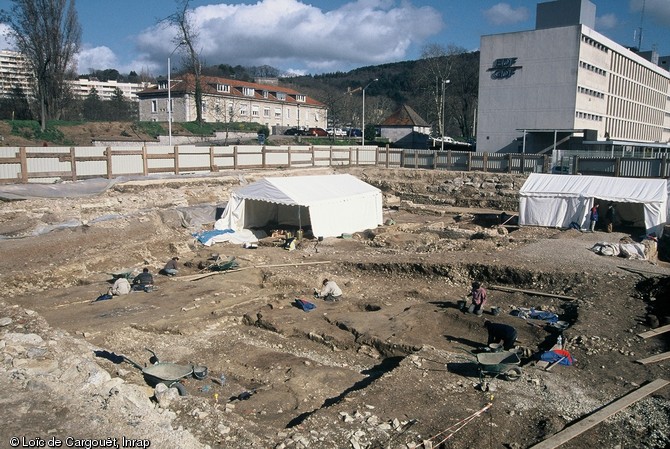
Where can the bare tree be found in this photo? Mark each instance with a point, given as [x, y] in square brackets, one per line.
[188, 37]
[437, 68]
[48, 34]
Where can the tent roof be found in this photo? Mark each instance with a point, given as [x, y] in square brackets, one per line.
[632, 190]
[305, 190]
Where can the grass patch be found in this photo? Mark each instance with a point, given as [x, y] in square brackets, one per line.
[153, 129]
[31, 130]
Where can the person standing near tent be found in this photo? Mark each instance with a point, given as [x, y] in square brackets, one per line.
[594, 217]
[329, 291]
[609, 216]
[478, 294]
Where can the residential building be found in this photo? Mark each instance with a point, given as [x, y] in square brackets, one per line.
[227, 100]
[564, 85]
[14, 73]
[405, 128]
[82, 87]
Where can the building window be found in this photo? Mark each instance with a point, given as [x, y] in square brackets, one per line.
[204, 107]
[225, 88]
[281, 96]
[244, 110]
[266, 112]
[265, 94]
[301, 98]
[248, 91]
[255, 111]
[154, 106]
[278, 113]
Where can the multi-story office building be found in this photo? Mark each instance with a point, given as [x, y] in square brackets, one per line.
[564, 85]
[227, 100]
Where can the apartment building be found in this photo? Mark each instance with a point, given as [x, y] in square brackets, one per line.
[14, 73]
[82, 87]
[227, 100]
[563, 83]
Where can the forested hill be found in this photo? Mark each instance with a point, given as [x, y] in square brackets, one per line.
[418, 84]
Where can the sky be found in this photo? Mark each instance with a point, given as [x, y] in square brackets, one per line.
[325, 36]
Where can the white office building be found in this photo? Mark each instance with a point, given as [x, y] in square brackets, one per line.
[564, 85]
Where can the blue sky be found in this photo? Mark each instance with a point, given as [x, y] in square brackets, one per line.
[317, 36]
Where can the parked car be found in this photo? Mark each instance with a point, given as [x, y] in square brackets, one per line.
[319, 132]
[294, 132]
[354, 132]
[560, 169]
[338, 132]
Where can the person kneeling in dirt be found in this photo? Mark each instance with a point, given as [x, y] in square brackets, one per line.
[170, 268]
[143, 281]
[120, 287]
[501, 333]
[329, 292]
[478, 294]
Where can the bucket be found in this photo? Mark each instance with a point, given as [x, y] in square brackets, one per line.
[495, 310]
[299, 234]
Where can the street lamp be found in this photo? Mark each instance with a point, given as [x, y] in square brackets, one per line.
[363, 130]
[169, 105]
[444, 84]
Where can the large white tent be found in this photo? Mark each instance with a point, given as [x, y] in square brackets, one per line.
[560, 200]
[330, 205]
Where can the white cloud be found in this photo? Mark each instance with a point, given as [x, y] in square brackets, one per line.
[504, 14]
[290, 33]
[606, 22]
[656, 11]
[96, 58]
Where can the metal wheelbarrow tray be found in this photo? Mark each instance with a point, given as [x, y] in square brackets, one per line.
[163, 372]
[503, 363]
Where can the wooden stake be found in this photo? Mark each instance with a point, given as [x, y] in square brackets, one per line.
[196, 277]
[531, 292]
[590, 421]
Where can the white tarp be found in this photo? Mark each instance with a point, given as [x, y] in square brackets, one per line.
[330, 204]
[559, 200]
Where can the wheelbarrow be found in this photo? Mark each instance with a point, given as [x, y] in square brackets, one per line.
[166, 373]
[503, 363]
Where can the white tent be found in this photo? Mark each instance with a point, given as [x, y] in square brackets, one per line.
[559, 200]
[330, 204]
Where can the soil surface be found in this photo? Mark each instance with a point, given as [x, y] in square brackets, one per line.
[391, 365]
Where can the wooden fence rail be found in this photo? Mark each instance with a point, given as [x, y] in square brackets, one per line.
[39, 164]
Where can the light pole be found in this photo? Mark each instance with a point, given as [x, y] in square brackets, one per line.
[363, 130]
[169, 105]
[444, 84]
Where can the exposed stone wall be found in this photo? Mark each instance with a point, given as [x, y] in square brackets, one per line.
[448, 188]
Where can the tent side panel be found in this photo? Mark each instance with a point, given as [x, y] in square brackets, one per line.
[346, 216]
[556, 212]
